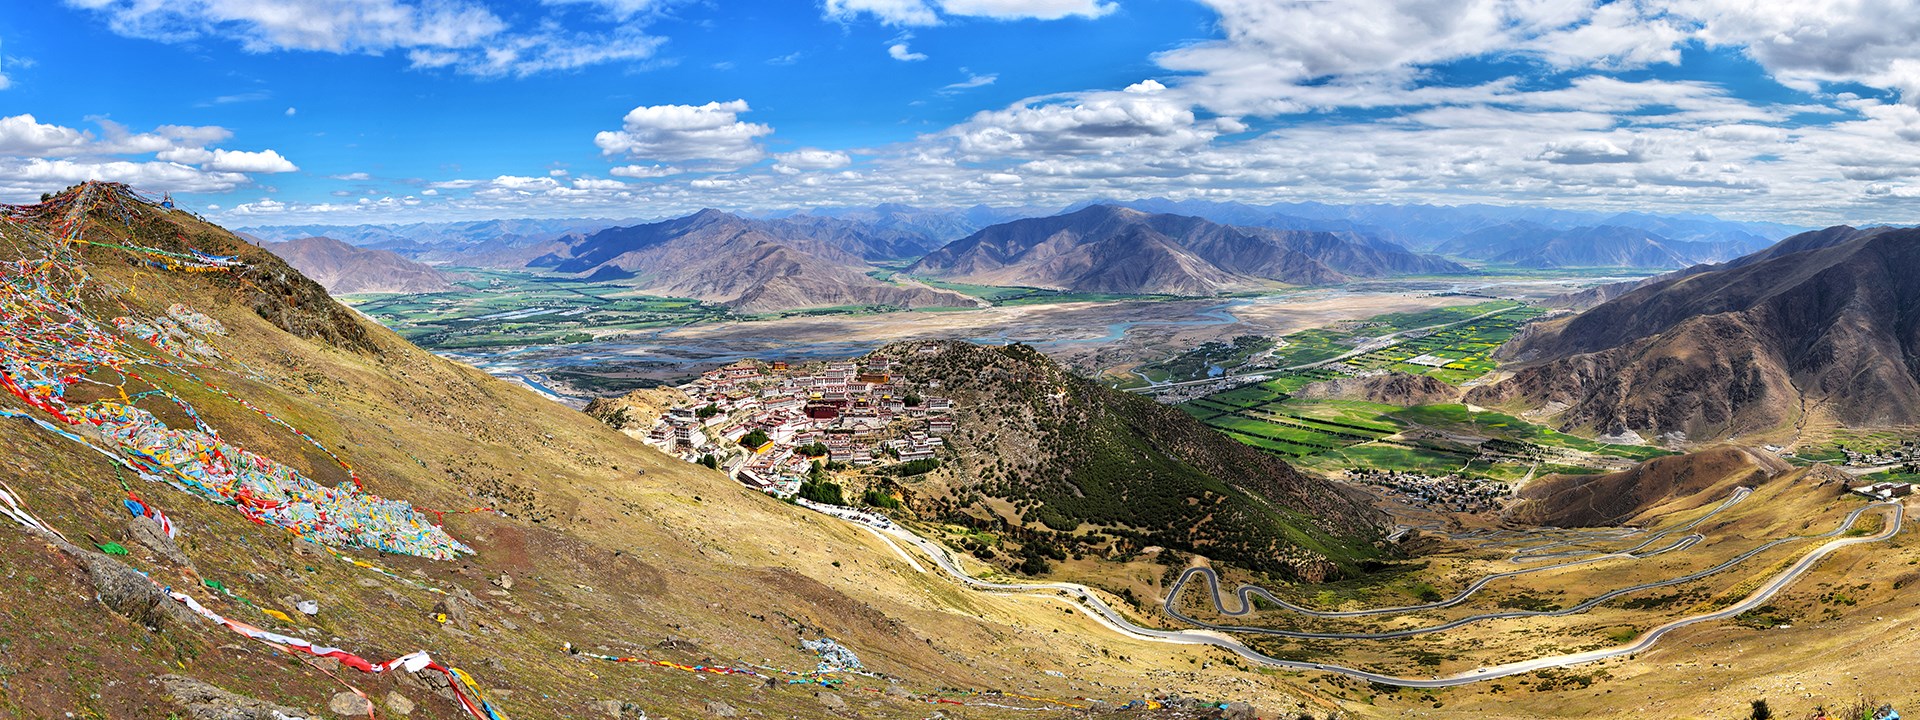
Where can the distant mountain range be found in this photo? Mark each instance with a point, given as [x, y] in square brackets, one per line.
[1425, 227]
[822, 257]
[1418, 227]
[1822, 328]
[1105, 248]
[1528, 244]
[343, 268]
[751, 265]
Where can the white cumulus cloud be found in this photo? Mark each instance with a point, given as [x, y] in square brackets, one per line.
[810, 159]
[241, 161]
[38, 157]
[644, 171]
[899, 51]
[712, 134]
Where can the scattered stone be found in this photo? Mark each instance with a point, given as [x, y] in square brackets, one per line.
[206, 702]
[419, 681]
[125, 590]
[720, 709]
[349, 705]
[399, 704]
[149, 533]
[831, 701]
[305, 547]
[1239, 711]
[504, 582]
[467, 596]
[451, 612]
[618, 710]
[309, 607]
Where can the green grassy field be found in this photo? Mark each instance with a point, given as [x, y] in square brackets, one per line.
[1345, 434]
[1208, 359]
[1862, 441]
[1494, 424]
[1010, 295]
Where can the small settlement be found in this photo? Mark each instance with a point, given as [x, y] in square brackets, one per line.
[767, 423]
[1450, 493]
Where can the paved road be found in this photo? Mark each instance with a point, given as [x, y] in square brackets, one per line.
[1087, 602]
[1375, 343]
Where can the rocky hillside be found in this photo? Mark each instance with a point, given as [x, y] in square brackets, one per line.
[343, 268]
[1045, 450]
[1104, 248]
[346, 499]
[750, 265]
[1819, 330]
[636, 411]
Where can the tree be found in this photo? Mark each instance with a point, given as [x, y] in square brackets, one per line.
[1761, 711]
[880, 498]
[755, 439]
[825, 492]
[706, 412]
[815, 449]
[710, 461]
[1035, 565]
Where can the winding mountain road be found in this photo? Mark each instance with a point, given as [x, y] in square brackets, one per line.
[1089, 603]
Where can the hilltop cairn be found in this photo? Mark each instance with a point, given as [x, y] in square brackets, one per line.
[834, 657]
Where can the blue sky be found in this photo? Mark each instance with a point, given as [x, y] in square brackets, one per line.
[348, 111]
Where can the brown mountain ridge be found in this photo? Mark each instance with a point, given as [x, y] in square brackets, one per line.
[1110, 249]
[750, 265]
[1824, 328]
[344, 269]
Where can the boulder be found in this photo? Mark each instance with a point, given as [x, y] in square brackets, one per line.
[125, 590]
[145, 531]
[206, 702]
[347, 704]
[399, 704]
[831, 701]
